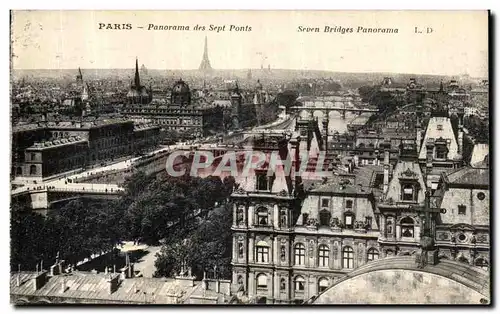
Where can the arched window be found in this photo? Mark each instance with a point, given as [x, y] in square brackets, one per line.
[481, 262]
[324, 218]
[361, 145]
[347, 257]
[300, 283]
[262, 250]
[464, 260]
[283, 284]
[372, 254]
[408, 192]
[262, 216]
[349, 220]
[389, 226]
[323, 255]
[261, 281]
[300, 254]
[240, 280]
[323, 284]
[407, 227]
[32, 169]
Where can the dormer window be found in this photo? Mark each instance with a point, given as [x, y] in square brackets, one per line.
[325, 203]
[262, 182]
[324, 218]
[441, 151]
[408, 192]
[349, 220]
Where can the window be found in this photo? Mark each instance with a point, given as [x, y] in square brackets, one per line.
[347, 257]
[439, 127]
[349, 220]
[481, 262]
[407, 227]
[240, 250]
[33, 156]
[408, 192]
[300, 254]
[300, 283]
[19, 171]
[389, 226]
[348, 204]
[283, 284]
[239, 216]
[262, 182]
[325, 202]
[261, 281]
[262, 216]
[324, 218]
[372, 254]
[262, 253]
[441, 152]
[283, 219]
[32, 169]
[461, 209]
[240, 280]
[323, 255]
[368, 221]
[481, 196]
[323, 284]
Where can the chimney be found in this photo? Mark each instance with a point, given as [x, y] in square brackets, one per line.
[217, 285]
[386, 171]
[112, 282]
[39, 280]
[63, 285]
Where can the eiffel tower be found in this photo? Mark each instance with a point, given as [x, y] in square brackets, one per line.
[205, 63]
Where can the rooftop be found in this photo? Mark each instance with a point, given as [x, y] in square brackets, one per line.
[56, 143]
[87, 285]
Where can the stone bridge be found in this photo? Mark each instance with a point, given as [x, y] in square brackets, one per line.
[326, 107]
[398, 280]
[44, 196]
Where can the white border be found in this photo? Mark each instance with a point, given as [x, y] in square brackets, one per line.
[192, 5]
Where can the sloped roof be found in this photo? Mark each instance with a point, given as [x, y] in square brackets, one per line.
[469, 175]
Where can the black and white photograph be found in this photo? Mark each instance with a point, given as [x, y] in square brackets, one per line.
[249, 158]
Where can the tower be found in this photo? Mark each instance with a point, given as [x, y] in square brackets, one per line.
[205, 63]
[137, 80]
[79, 77]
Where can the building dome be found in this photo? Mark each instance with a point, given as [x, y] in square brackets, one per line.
[181, 95]
[180, 87]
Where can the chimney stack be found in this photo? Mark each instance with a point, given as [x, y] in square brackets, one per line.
[386, 171]
[39, 280]
[112, 282]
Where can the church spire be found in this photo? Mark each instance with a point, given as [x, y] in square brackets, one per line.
[137, 80]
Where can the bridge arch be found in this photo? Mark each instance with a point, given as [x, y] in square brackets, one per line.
[397, 280]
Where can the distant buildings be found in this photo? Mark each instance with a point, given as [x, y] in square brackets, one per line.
[47, 149]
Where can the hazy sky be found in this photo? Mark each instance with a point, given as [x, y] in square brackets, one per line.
[71, 39]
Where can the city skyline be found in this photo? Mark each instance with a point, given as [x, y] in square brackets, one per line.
[83, 45]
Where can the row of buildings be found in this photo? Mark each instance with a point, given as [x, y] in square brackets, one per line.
[294, 237]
